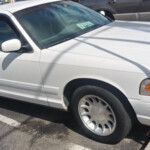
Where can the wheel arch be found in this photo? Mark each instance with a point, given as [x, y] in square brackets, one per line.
[107, 8]
[108, 13]
[76, 83]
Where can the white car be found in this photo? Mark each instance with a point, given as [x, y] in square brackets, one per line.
[64, 55]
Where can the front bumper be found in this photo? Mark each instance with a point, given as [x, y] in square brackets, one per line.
[142, 109]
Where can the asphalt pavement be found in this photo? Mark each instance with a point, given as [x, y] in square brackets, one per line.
[25, 126]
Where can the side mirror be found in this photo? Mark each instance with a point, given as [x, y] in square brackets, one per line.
[11, 45]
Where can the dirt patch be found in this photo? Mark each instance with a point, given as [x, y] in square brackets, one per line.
[39, 128]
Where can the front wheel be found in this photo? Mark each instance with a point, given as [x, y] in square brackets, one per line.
[100, 114]
[107, 14]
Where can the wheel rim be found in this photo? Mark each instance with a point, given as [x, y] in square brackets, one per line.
[97, 115]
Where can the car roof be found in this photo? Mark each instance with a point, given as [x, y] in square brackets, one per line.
[17, 6]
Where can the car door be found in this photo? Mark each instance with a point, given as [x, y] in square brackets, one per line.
[145, 6]
[144, 10]
[93, 4]
[125, 6]
[19, 71]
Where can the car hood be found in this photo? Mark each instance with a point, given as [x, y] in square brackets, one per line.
[126, 41]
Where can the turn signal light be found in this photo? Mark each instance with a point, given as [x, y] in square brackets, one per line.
[145, 87]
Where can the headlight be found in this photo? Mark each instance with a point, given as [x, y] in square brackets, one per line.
[145, 87]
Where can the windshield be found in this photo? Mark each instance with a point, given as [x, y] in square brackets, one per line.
[53, 23]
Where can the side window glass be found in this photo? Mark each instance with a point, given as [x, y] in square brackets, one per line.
[6, 32]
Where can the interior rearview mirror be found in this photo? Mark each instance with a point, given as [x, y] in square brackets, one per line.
[11, 45]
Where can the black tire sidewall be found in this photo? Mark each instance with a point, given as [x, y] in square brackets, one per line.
[123, 122]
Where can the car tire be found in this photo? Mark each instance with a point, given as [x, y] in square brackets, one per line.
[107, 14]
[97, 112]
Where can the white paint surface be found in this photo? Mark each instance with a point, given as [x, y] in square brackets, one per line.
[148, 146]
[76, 147]
[9, 121]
